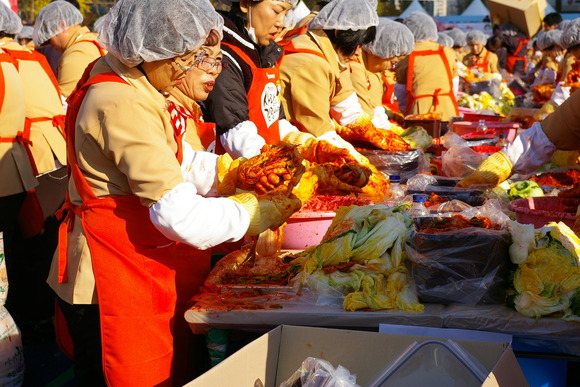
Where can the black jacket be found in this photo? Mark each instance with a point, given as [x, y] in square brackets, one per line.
[227, 104]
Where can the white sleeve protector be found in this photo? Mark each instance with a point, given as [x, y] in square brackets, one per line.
[530, 149]
[200, 169]
[561, 94]
[184, 216]
[243, 140]
[285, 127]
[402, 96]
[380, 118]
[347, 111]
[455, 82]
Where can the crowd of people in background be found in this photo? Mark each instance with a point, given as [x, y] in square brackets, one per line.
[126, 127]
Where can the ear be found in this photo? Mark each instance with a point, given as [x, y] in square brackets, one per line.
[245, 6]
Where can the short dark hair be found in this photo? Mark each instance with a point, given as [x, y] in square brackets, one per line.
[6, 35]
[347, 41]
[553, 18]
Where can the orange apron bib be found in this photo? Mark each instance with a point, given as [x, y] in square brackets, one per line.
[511, 60]
[483, 66]
[143, 279]
[389, 95]
[263, 100]
[437, 94]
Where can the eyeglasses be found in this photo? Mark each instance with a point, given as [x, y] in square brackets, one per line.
[203, 62]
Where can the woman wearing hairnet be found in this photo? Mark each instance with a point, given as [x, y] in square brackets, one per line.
[393, 42]
[43, 138]
[315, 76]
[59, 24]
[425, 78]
[479, 57]
[549, 68]
[459, 41]
[24, 37]
[136, 189]
[244, 103]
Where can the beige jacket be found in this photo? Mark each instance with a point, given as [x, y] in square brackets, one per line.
[567, 65]
[15, 166]
[311, 84]
[191, 136]
[429, 75]
[492, 60]
[562, 126]
[124, 145]
[369, 86]
[42, 100]
[77, 54]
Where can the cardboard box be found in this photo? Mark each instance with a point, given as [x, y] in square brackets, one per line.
[527, 15]
[275, 356]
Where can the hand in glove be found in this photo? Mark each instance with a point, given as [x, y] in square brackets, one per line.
[350, 177]
[321, 151]
[267, 211]
[491, 172]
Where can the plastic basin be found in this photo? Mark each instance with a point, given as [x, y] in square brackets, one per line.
[540, 211]
[510, 129]
[306, 228]
[476, 117]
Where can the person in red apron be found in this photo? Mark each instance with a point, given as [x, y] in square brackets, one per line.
[137, 202]
[245, 102]
[393, 42]
[479, 58]
[516, 45]
[425, 77]
[59, 25]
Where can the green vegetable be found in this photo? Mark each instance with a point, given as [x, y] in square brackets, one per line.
[417, 137]
[575, 303]
[524, 189]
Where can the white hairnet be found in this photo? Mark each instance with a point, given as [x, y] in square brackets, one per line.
[458, 36]
[549, 39]
[353, 15]
[10, 22]
[476, 36]
[444, 40]
[25, 33]
[229, 2]
[422, 26]
[571, 34]
[149, 30]
[53, 19]
[98, 25]
[562, 25]
[392, 39]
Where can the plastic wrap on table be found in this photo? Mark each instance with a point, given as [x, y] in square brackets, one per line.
[316, 372]
[548, 334]
[406, 163]
[459, 160]
[468, 266]
[490, 86]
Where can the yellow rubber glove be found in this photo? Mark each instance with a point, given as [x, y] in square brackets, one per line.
[267, 211]
[227, 171]
[318, 151]
[491, 172]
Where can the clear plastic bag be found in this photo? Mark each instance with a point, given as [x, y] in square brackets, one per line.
[459, 160]
[406, 163]
[490, 86]
[467, 266]
[320, 373]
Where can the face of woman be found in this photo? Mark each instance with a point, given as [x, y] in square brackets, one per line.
[165, 74]
[377, 64]
[200, 80]
[554, 52]
[575, 51]
[476, 47]
[266, 17]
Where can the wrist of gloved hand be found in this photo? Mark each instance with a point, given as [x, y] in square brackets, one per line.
[491, 172]
[251, 204]
[276, 207]
[227, 174]
[298, 138]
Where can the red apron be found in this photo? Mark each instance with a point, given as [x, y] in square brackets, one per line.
[389, 95]
[483, 66]
[511, 60]
[437, 94]
[263, 100]
[143, 279]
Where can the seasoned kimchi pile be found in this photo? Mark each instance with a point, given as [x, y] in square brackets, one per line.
[455, 222]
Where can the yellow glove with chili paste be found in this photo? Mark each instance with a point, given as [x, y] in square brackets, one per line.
[491, 172]
[267, 211]
[318, 151]
[227, 174]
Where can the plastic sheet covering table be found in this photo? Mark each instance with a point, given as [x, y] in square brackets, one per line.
[547, 333]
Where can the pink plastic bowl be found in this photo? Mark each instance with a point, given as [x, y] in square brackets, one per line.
[306, 228]
[540, 211]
